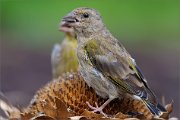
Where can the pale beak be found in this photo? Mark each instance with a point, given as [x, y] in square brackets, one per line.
[68, 22]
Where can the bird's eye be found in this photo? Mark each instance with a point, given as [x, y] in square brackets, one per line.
[85, 15]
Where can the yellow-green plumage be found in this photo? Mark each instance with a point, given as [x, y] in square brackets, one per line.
[105, 64]
[64, 58]
[97, 51]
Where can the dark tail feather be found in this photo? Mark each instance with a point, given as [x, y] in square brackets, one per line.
[154, 109]
[161, 108]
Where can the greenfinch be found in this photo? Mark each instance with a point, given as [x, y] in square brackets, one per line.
[105, 64]
[63, 56]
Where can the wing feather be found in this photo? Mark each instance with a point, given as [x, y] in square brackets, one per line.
[116, 64]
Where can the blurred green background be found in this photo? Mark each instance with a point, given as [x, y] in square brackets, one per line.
[34, 23]
[150, 30]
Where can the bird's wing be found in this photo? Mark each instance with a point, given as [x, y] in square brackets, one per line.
[116, 64]
[146, 92]
[55, 57]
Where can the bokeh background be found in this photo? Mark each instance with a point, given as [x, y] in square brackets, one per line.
[150, 30]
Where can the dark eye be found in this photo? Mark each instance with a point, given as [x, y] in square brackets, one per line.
[85, 15]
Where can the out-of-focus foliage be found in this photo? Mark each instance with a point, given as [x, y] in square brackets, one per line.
[34, 23]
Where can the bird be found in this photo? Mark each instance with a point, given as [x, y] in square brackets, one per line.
[105, 64]
[63, 55]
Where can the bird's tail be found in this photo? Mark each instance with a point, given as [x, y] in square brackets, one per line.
[155, 109]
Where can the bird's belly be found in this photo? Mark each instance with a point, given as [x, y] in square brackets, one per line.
[99, 83]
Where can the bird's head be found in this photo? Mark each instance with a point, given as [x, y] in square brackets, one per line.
[83, 20]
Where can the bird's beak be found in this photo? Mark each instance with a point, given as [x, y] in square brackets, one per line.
[68, 22]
